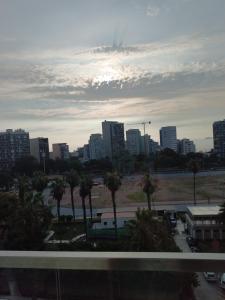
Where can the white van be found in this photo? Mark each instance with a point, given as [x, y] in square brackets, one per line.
[222, 281]
[210, 276]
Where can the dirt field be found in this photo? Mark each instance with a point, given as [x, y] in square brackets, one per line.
[208, 188]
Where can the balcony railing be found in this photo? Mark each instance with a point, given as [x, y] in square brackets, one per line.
[114, 261]
[103, 275]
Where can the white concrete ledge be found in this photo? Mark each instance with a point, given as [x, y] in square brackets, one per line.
[139, 261]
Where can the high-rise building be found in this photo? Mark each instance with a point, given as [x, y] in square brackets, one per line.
[168, 137]
[86, 156]
[13, 146]
[153, 146]
[113, 138]
[219, 138]
[186, 146]
[96, 146]
[60, 151]
[39, 148]
[133, 137]
[145, 143]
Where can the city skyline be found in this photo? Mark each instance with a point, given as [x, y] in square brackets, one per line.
[125, 131]
[75, 63]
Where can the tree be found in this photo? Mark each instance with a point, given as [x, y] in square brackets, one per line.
[148, 189]
[24, 223]
[84, 191]
[23, 187]
[147, 233]
[113, 182]
[39, 181]
[26, 165]
[193, 166]
[90, 185]
[6, 181]
[58, 189]
[72, 179]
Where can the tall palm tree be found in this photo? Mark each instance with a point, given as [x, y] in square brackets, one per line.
[73, 180]
[194, 167]
[58, 189]
[84, 190]
[147, 233]
[113, 182]
[90, 185]
[23, 187]
[148, 189]
[39, 181]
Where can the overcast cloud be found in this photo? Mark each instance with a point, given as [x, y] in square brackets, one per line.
[67, 65]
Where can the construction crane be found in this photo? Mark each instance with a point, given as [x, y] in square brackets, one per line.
[142, 123]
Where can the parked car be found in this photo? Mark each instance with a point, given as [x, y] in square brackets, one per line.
[210, 276]
[222, 281]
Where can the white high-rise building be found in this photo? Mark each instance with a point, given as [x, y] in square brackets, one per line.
[113, 138]
[168, 137]
[133, 141]
[186, 146]
[96, 146]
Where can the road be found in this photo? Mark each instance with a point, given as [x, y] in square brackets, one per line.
[206, 290]
[190, 174]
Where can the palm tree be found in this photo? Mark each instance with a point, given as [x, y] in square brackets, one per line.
[90, 185]
[113, 182]
[193, 166]
[23, 187]
[147, 233]
[39, 181]
[73, 179]
[148, 189]
[84, 191]
[58, 189]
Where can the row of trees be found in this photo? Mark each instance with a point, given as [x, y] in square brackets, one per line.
[112, 181]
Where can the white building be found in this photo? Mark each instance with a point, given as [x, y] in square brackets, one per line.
[133, 137]
[96, 146]
[203, 223]
[107, 220]
[113, 138]
[186, 146]
[168, 137]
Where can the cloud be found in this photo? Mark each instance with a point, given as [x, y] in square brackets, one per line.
[152, 11]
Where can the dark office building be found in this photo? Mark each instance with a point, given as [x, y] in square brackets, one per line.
[219, 138]
[39, 148]
[13, 146]
[113, 138]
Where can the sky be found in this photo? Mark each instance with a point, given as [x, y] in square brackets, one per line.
[65, 66]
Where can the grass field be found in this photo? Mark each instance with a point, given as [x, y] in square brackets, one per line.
[208, 188]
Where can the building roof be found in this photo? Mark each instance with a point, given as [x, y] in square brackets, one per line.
[121, 214]
[210, 210]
